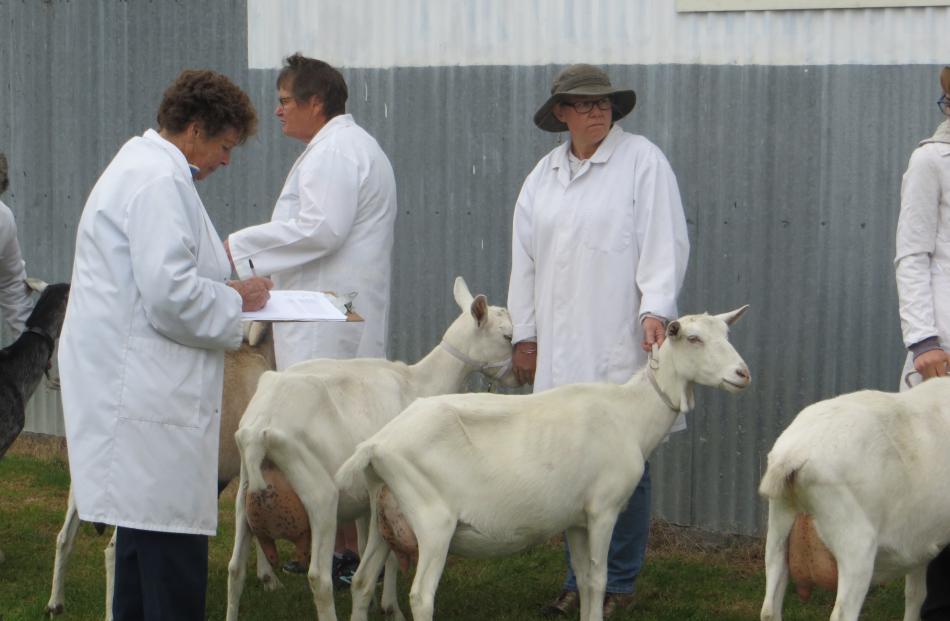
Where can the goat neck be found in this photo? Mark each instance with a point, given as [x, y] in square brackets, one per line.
[656, 402]
[440, 373]
[24, 362]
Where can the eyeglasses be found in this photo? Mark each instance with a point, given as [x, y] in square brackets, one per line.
[583, 107]
[283, 101]
[943, 103]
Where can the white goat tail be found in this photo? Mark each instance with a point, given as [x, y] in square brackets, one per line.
[779, 480]
[354, 466]
[252, 444]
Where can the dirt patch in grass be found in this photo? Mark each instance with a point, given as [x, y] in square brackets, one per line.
[41, 446]
[742, 553]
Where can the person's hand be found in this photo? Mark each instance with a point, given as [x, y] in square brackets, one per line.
[254, 292]
[524, 360]
[653, 332]
[932, 363]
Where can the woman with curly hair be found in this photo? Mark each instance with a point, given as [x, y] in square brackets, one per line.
[150, 315]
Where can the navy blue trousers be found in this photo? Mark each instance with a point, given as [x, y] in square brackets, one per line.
[937, 604]
[159, 576]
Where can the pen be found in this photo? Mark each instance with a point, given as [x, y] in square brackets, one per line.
[251, 263]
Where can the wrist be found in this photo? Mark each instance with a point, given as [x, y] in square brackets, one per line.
[526, 347]
[922, 347]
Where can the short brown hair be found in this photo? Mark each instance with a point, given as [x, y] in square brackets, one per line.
[4, 175]
[209, 98]
[308, 77]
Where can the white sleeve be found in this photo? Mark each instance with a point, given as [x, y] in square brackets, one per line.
[521, 282]
[14, 299]
[329, 197]
[180, 304]
[660, 227]
[915, 244]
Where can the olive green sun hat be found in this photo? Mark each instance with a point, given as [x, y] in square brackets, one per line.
[585, 80]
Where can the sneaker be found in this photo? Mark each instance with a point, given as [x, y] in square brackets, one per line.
[616, 601]
[344, 566]
[566, 603]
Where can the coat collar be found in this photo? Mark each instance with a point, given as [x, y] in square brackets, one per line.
[336, 123]
[174, 152]
[941, 138]
[562, 167]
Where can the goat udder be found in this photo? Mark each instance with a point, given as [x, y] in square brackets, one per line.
[395, 530]
[810, 562]
[276, 512]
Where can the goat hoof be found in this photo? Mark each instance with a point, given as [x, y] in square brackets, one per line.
[270, 582]
[54, 610]
[393, 615]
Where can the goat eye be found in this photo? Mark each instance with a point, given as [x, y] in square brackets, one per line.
[508, 337]
[694, 339]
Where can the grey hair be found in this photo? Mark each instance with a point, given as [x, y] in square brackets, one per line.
[4, 178]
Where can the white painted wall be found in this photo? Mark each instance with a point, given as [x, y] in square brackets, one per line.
[401, 33]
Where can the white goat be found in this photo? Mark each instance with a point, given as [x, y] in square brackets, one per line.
[242, 369]
[870, 469]
[308, 419]
[487, 475]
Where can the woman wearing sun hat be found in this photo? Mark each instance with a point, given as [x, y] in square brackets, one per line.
[599, 253]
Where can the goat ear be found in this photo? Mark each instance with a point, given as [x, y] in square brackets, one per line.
[480, 309]
[733, 316]
[463, 296]
[673, 330]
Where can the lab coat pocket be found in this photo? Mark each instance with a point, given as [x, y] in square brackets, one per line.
[161, 383]
[608, 227]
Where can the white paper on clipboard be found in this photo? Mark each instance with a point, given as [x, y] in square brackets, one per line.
[290, 305]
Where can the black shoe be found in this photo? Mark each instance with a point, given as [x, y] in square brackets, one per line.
[566, 603]
[344, 566]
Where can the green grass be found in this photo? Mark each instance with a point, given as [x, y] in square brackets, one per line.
[682, 580]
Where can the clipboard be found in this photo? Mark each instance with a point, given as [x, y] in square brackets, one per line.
[303, 306]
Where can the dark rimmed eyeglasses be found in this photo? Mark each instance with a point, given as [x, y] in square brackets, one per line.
[583, 107]
[943, 103]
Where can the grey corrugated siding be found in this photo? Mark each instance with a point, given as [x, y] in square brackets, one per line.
[790, 177]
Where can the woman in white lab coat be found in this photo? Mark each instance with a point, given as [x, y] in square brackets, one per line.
[332, 226]
[142, 348]
[14, 301]
[599, 253]
[922, 264]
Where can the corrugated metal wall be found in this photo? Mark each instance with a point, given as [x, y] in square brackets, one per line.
[790, 176]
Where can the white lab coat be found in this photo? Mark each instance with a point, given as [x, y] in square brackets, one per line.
[141, 355]
[591, 255]
[331, 230]
[923, 244]
[14, 301]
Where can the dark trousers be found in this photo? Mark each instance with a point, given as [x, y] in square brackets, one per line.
[937, 604]
[159, 576]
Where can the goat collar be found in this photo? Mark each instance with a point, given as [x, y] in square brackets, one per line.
[651, 367]
[659, 391]
[502, 366]
[45, 335]
[50, 342]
